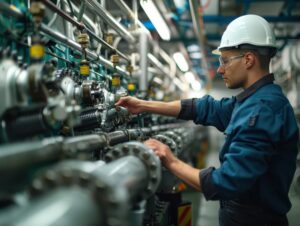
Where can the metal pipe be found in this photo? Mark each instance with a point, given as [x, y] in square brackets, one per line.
[135, 12]
[108, 18]
[144, 49]
[81, 11]
[112, 187]
[127, 172]
[81, 26]
[117, 137]
[106, 44]
[132, 15]
[169, 61]
[84, 143]
[54, 8]
[194, 5]
[63, 207]
[56, 36]
[19, 155]
[124, 7]
[17, 160]
[153, 60]
[10, 10]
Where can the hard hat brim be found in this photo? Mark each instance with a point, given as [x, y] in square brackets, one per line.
[216, 52]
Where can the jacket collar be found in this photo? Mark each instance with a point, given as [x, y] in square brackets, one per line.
[268, 79]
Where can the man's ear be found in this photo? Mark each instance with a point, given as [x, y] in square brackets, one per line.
[249, 60]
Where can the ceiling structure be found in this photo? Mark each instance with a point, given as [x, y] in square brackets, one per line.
[213, 17]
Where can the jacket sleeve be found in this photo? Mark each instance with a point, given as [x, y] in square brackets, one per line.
[208, 111]
[249, 147]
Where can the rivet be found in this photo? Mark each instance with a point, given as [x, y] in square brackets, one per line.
[153, 178]
[66, 176]
[108, 158]
[100, 185]
[115, 153]
[37, 185]
[146, 156]
[50, 176]
[84, 178]
[153, 166]
[125, 149]
[136, 150]
[148, 189]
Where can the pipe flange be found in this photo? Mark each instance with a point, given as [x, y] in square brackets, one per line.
[168, 141]
[63, 174]
[147, 156]
[182, 133]
[114, 199]
[176, 138]
[78, 173]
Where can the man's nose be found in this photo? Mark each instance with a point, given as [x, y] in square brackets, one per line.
[220, 70]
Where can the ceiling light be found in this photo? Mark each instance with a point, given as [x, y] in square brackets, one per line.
[196, 55]
[189, 76]
[156, 19]
[193, 48]
[158, 81]
[179, 3]
[196, 86]
[181, 61]
[178, 83]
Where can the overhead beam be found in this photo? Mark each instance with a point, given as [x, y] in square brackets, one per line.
[271, 19]
[217, 37]
[228, 19]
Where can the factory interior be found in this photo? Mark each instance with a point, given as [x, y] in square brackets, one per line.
[69, 156]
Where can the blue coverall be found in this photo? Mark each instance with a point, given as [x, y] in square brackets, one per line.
[258, 159]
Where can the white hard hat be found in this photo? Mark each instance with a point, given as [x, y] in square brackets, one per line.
[249, 29]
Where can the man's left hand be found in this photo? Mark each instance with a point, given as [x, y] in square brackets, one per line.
[162, 151]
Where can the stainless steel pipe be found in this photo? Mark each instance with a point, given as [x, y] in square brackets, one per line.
[74, 45]
[108, 18]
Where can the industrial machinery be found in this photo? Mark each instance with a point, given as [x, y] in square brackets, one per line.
[68, 156]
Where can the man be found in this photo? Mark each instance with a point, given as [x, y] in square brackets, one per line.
[258, 158]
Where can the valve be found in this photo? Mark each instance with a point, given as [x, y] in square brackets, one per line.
[37, 9]
[84, 67]
[83, 39]
[109, 38]
[115, 59]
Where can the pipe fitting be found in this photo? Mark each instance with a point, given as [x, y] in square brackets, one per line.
[147, 156]
[168, 141]
[85, 175]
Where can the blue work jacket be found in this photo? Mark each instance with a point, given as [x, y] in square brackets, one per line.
[258, 159]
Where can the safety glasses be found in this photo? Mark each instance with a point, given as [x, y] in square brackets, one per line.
[225, 62]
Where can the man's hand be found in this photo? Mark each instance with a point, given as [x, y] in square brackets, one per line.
[135, 106]
[182, 170]
[162, 151]
[132, 104]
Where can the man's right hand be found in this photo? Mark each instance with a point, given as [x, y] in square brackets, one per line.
[133, 104]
